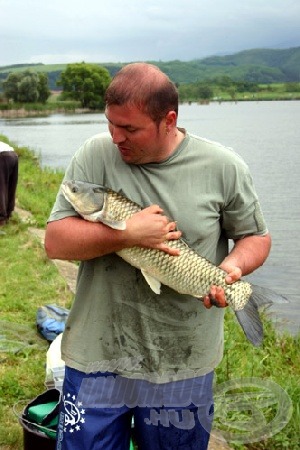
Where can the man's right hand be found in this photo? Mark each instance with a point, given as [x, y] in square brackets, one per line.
[152, 229]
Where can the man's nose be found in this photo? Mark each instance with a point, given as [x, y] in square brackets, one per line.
[117, 135]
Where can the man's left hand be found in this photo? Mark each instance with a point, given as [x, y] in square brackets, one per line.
[216, 296]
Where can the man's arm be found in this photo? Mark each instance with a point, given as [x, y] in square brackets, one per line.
[246, 256]
[73, 238]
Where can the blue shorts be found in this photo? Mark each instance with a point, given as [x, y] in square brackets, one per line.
[97, 412]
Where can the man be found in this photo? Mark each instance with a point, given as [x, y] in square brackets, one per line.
[8, 181]
[127, 350]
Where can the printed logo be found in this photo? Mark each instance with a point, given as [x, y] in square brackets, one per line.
[74, 414]
[251, 409]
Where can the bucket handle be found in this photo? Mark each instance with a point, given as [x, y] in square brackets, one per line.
[22, 418]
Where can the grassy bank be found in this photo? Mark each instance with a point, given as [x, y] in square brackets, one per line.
[226, 90]
[29, 279]
[265, 92]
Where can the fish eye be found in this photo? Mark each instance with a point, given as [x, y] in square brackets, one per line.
[74, 189]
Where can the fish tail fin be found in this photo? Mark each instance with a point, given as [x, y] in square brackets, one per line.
[264, 297]
[251, 323]
[249, 318]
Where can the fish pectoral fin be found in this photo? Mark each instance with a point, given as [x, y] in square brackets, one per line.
[115, 224]
[99, 217]
[251, 323]
[89, 217]
[153, 282]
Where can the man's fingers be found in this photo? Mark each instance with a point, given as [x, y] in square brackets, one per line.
[206, 302]
[216, 297]
[171, 251]
[219, 302]
[154, 209]
[172, 235]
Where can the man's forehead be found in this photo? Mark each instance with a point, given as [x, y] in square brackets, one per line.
[125, 115]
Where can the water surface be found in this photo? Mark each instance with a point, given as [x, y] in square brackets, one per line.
[265, 134]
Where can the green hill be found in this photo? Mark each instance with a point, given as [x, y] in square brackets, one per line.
[257, 65]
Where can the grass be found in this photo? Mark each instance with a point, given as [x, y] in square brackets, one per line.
[277, 365]
[36, 67]
[263, 92]
[29, 280]
[266, 92]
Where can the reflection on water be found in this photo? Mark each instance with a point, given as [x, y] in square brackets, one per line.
[265, 134]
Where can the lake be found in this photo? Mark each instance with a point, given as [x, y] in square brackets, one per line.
[265, 134]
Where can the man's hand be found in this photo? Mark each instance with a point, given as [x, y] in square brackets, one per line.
[150, 228]
[216, 296]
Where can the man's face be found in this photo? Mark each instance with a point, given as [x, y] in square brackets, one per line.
[138, 138]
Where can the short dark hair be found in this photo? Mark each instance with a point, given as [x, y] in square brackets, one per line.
[146, 87]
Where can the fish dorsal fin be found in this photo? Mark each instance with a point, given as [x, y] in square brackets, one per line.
[153, 282]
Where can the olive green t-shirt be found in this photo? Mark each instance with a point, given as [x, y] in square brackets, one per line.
[116, 322]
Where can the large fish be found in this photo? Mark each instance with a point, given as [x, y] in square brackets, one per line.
[189, 273]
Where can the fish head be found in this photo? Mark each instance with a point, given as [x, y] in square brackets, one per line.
[86, 198]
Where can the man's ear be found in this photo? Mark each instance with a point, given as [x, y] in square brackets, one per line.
[171, 119]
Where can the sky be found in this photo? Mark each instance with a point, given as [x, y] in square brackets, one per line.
[66, 31]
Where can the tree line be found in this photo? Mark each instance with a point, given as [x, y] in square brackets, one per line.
[26, 87]
[208, 89]
[86, 83]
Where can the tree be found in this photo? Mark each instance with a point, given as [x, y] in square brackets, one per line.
[26, 87]
[204, 91]
[292, 87]
[43, 87]
[86, 83]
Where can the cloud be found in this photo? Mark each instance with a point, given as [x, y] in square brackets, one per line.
[130, 30]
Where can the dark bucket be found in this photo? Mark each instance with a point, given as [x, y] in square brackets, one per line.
[38, 435]
[34, 439]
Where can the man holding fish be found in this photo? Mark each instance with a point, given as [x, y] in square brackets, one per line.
[189, 190]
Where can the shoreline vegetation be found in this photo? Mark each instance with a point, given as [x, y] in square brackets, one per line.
[14, 110]
[30, 280]
[187, 94]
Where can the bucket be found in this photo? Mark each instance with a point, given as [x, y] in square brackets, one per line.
[39, 421]
[37, 440]
[34, 439]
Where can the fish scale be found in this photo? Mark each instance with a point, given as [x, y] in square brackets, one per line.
[188, 273]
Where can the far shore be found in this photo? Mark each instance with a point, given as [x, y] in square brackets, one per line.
[22, 112]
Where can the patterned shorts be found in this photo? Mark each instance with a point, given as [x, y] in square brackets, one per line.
[102, 411]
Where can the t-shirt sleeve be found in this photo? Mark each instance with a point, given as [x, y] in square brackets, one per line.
[241, 214]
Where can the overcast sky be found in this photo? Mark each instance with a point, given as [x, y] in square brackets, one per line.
[64, 31]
